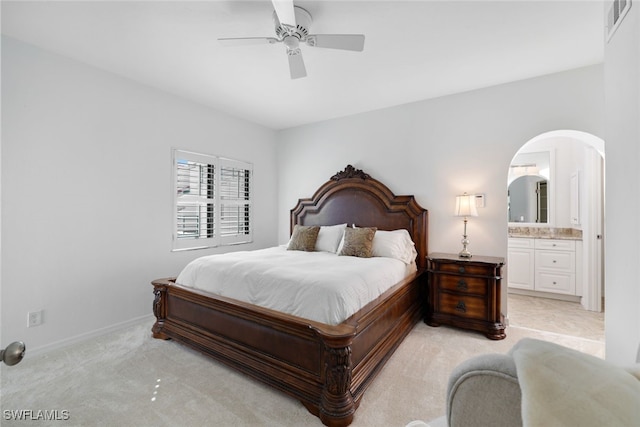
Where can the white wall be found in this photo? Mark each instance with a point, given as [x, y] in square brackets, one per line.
[622, 84]
[436, 149]
[86, 192]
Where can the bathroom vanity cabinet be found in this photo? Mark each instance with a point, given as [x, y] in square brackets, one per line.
[544, 265]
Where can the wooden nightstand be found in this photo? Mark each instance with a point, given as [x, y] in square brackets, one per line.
[465, 292]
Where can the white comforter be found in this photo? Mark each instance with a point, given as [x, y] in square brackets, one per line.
[319, 286]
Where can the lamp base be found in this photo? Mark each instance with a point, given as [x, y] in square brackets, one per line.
[464, 253]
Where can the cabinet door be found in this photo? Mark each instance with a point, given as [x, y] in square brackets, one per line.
[521, 268]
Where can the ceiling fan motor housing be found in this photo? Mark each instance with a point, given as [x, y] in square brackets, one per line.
[300, 31]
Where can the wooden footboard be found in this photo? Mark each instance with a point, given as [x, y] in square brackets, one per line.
[328, 368]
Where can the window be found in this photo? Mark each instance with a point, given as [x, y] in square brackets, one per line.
[212, 201]
[617, 11]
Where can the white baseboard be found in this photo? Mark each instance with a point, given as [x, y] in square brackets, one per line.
[87, 335]
[550, 295]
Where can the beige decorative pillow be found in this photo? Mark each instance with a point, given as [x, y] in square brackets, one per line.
[358, 242]
[303, 238]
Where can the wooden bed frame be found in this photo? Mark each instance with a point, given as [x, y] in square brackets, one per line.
[328, 368]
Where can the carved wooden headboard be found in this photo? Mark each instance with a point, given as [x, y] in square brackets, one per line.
[353, 197]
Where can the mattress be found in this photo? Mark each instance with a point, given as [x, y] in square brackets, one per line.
[319, 286]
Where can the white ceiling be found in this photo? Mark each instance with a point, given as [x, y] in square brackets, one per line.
[414, 50]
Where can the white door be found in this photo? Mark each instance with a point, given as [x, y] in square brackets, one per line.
[593, 232]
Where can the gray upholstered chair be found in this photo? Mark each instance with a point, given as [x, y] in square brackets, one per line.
[484, 391]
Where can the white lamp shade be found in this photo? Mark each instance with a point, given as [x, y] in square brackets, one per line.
[466, 205]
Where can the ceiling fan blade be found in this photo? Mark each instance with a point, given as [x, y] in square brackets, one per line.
[241, 41]
[285, 12]
[337, 41]
[296, 64]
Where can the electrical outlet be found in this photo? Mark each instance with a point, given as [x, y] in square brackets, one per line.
[34, 318]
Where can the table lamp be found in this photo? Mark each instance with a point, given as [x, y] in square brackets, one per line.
[465, 207]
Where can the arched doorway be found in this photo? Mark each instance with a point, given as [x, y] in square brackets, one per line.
[567, 169]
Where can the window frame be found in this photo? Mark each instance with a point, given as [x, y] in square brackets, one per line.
[214, 182]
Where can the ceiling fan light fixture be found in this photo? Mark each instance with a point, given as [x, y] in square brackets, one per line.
[291, 42]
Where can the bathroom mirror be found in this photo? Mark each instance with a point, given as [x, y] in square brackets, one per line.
[529, 191]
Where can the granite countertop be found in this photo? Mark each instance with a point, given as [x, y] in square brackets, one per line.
[545, 233]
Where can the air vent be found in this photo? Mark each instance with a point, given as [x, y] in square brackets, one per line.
[617, 12]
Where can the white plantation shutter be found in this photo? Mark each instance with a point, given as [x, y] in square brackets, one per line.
[212, 201]
[234, 191]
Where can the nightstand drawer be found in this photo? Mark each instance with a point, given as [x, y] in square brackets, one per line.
[459, 305]
[472, 285]
[467, 268]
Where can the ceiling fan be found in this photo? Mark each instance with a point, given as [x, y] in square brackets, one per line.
[292, 28]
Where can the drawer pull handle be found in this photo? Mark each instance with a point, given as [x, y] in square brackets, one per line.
[554, 261]
[460, 269]
[462, 285]
[461, 307]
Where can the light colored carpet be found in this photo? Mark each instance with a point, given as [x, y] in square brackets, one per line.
[128, 378]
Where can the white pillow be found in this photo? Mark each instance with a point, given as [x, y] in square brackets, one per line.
[394, 244]
[329, 237]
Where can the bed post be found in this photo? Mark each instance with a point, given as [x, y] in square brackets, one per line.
[336, 403]
[160, 307]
